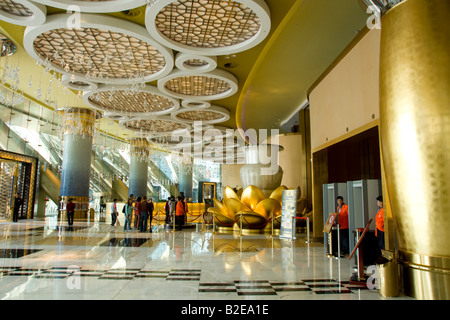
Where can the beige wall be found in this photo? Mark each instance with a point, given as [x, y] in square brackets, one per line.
[347, 98]
[290, 160]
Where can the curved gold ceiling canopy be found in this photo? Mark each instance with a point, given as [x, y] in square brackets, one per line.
[307, 41]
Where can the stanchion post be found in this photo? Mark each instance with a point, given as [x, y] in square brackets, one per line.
[339, 241]
[157, 224]
[272, 223]
[214, 223]
[293, 228]
[307, 229]
[330, 244]
[173, 218]
[240, 231]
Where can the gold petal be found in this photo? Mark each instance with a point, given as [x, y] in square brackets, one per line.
[228, 193]
[234, 206]
[267, 207]
[252, 196]
[277, 194]
[219, 206]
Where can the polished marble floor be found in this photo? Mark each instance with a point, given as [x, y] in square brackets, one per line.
[44, 259]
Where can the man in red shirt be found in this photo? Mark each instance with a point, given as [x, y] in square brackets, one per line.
[180, 210]
[342, 220]
[379, 224]
[70, 209]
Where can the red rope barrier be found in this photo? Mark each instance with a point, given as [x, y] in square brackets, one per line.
[226, 224]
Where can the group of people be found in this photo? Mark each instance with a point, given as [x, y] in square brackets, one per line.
[342, 220]
[176, 209]
[143, 213]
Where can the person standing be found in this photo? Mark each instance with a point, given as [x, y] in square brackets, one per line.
[144, 215]
[137, 212]
[379, 224]
[172, 205]
[167, 208]
[128, 215]
[179, 214]
[151, 207]
[342, 211]
[70, 209]
[17, 204]
[114, 212]
[102, 205]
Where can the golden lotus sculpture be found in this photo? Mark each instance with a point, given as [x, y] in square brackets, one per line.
[253, 209]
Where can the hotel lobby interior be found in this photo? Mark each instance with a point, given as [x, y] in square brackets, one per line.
[257, 117]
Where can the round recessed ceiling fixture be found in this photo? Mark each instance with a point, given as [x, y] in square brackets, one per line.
[155, 125]
[127, 100]
[22, 12]
[77, 83]
[208, 27]
[101, 49]
[94, 6]
[195, 63]
[213, 85]
[193, 104]
[214, 114]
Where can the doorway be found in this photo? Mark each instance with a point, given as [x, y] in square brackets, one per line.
[17, 175]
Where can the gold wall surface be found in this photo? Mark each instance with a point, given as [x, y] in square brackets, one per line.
[415, 132]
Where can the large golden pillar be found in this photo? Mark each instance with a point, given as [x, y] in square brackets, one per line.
[415, 136]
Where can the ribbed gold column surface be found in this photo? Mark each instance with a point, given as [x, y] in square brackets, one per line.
[415, 135]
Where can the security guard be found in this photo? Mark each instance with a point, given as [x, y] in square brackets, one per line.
[342, 220]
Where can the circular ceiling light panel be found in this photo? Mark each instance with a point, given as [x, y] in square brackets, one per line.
[22, 12]
[94, 6]
[127, 100]
[195, 63]
[193, 104]
[214, 114]
[213, 85]
[76, 83]
[208, 27]
[160, 125]
[101, 49]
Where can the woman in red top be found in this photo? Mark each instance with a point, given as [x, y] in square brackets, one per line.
[342, 211]
[379, 224]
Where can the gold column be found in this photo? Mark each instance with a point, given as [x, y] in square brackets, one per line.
[415, 135]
